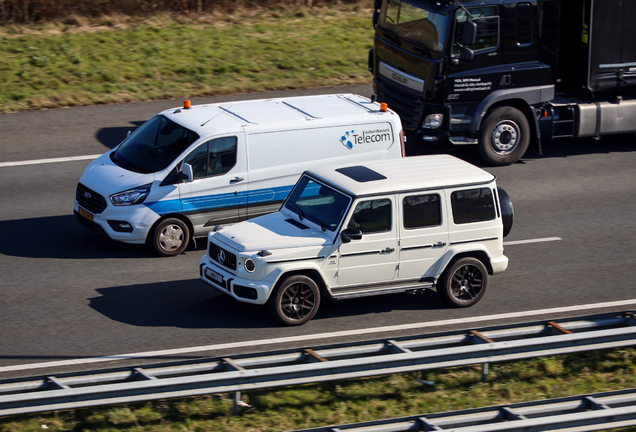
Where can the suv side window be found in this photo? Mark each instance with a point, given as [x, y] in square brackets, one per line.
[215, 157]
[421, 211]
[472, 205]
[372, 216]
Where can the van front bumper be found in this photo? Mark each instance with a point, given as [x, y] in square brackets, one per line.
[140, 221]
[245, 290]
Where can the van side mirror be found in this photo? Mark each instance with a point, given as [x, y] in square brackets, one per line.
[470, 33]
[185, 175]
[350, 234]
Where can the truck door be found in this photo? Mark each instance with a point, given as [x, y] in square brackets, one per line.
[472, 80]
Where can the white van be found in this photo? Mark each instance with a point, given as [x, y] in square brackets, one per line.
[189, 169]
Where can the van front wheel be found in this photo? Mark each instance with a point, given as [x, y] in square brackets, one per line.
[504, 137]
[295, 301]
[463, 283]
[170, 237]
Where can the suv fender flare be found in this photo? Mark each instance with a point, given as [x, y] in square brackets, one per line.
[476, 251]
[309, 269]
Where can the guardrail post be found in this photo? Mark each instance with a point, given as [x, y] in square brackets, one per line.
[237, 398]
[484, 372]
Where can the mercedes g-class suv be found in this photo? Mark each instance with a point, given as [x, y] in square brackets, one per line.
[385, 226]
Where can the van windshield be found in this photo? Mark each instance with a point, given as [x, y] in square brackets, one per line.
[153, 146]
[318, 203]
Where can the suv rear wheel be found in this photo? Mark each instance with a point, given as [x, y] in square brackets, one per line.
[464, 283]
[295, 301]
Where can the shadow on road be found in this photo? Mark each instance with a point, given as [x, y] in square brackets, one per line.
[111, 137]
[61, 237]
[190, 303]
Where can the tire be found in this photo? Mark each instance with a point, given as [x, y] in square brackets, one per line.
[464, 283]
[504, 137]
[170, 237]
[295, 301]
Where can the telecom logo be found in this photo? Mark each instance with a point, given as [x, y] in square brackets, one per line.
[346, 139]
[365, 137]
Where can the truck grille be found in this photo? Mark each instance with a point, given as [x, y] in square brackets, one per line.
[406, 104]
[222, 256]
[89, 199]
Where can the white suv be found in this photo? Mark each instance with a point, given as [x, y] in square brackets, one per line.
[383, 227]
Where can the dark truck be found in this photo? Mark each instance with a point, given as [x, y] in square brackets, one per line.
[500, 74]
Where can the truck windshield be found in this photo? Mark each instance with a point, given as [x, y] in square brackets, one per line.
[409, 19]
[153, 146]
[318, 203]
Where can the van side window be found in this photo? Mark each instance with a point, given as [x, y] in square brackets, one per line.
[422, 211]
[372, 216]
[472, 205]
[215, 157]
[487, 20]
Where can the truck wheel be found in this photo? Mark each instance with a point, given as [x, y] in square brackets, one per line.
[504, 137]
[295, 301]
[464, 283]
[170, 237]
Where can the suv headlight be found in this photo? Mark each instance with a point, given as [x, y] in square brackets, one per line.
[433, 121]
[132, 196]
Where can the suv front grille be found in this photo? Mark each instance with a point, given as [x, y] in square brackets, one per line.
[90, 200]
[222, 256]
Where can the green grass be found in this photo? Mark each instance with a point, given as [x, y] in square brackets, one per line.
[123, 60]
[356, 400]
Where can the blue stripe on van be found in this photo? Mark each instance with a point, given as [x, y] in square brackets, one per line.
[219, 200]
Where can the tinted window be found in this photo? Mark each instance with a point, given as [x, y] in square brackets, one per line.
[524, 24]
[422, 211]
[153, 146]
[487, 21]
[472, 205]
[215, 157]
[372, 216]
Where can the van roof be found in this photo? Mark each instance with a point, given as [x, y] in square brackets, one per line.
[404, 174]
[207, 118]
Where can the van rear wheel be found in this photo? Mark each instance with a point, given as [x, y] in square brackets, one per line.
[295, 301]
[170, 237]
[463, 283]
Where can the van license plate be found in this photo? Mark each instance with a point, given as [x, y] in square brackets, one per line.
[213, 275]
[86, 214]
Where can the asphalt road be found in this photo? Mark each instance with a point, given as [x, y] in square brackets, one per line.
[67, 293]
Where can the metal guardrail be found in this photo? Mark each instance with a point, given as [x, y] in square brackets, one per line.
[294, 367]
[594, 412]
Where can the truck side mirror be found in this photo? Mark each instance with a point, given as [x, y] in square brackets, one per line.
[185, 175]
[466, 54]
[377, 4]
[470, 33]
[376, 18]
[350, 234]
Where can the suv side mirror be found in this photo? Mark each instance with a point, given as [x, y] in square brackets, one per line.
[350, 234]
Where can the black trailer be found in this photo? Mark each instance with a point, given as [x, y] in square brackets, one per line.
[490, 72]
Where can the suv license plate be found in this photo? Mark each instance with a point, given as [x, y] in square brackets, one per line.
[86, 214]
[213, 275]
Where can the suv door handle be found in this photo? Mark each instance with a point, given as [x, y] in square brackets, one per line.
[439, 244]
[387, 250]
[236, 179]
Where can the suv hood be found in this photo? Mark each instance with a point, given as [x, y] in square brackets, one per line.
[272, 231]
[105, 177]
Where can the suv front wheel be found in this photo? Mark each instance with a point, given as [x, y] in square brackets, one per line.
[295, 301]
[463, 283]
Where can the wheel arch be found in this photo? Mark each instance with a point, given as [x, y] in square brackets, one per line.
[179, 216]
[311, 273]
[481, 255]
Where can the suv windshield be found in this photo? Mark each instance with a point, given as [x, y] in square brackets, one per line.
[153, 146]
[318, 203]
[409, 20]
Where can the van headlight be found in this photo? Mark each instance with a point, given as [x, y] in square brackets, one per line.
[132, 196]
[433, 121]
[250, 265]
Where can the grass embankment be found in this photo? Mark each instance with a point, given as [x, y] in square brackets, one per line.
[356, 400]
[125, 59]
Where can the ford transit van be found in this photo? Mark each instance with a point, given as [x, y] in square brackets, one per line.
[191, 168]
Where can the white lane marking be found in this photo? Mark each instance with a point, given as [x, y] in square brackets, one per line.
[539, 240]
[306, 338]
[52, 160]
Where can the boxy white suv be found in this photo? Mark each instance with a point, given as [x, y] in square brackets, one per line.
[382, 227]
